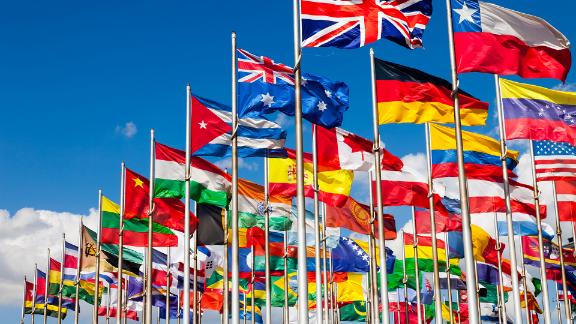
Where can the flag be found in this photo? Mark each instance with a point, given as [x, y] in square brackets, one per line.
[425, 259]
[334, 186]
[354, 311]
[29, 299]
[208, 183]
[168, 212]
[252, 210]
[484, 246]
[356, 217]
[566, 200]
[111, 297]
[211, 133]
[537, 113]
[348, 256]
[530, 249]
[333, 234]
[210, 225]
[338, 149]
[456, 282]
[135, 231]
[522, 224]
[481, 154]
[86, 289]
[407, 95]
[352, 24]
[354, 288]
[554, 161]
[497, 40]
[265, 86]
[40, 301]
[54, 282]
[444, 221]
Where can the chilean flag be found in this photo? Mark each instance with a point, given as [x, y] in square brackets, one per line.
[492, 39]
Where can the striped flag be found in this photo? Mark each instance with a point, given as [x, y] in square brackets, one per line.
[554, 160]
[566, 199]
[70, 264]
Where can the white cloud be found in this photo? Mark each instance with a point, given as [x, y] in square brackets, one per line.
[284, 120]
[128, 130]
[242, 164]
[25, 237]
[417, 162]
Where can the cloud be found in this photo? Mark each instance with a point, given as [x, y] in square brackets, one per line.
[417, 162]
[284, 120]
[25, 237]
[565, 87]
[242, 164]
[128, 130]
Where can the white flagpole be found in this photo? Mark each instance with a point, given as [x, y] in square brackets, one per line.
[325, 266]
[148, 304]
[60, 284]
[567, 311]
[405, 278]
[373, 263]
[252, 279]
[378, 175]
[286, 303]
[46, 287]
[545, 294]
[97, 276]
[108, 305]
[77, 300]
[34, 293]
[501, 303]
[509, 220]
[187, 209]
[318, 273]
[121, 245]
[195, 271]
[431, 207]
[474, 315]
[448, 276]
[300, 200]
[268, 311]
[524, 282]
[168, 284]
[23, 303]
[416, 267]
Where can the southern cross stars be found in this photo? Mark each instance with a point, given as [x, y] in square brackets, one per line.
[465, 14]
[322, 106]
[267, 99]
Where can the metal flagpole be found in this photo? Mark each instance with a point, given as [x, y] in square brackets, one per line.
[225, 299]
[373, 263]
[567, 311]
[168, 284]
[448, 277]
[268, 310]
[60, 284]
[509, 220]
[195, 271]
[286, 304]
[378, 176]
[34, 293]
[398, 298]
[252, 278]
[404, 278]
[318, 274]
[524, 279]
[186, 287]
[179, 312]
[416, 267]
[333, 294]
[23, 303]
[97, 276]
[148, 304]
[558, 308]
[121, 246]
[545, 295]
[108, 305]
[234, 203]
[325, 265]
[501, 302]
[435, 268]
[46, 289]
[477, 288]
[474, 315]
[300, 201]
[77, 279]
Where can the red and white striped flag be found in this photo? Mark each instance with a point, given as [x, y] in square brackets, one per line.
[554, 161]
[566, 198]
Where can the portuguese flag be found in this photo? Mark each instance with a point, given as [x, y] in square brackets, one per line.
[208, 183]
[135, 230]
[407, 95]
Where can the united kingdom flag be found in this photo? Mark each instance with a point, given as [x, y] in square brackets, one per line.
[355, 23]
[261, 68]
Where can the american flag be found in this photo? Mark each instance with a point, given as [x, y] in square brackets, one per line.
[254, 68]
[554, 161]
[355, 23]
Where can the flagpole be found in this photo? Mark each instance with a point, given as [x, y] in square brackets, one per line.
[225, 309]
[378, 175]
[46, 291]
[477, 287]
[77, 283]
[24, 303]
[325, 265]
[268, 310]
[416, 266]
[333, 294]
[168, 284]
[195, 271]
[432, 212]
[34, 292]
[234, 203]
[286, 304]
[545, 295]
[567, 311]
[318, 274]
[449, 277]
[60, 285]
[501, 303]
[524, 282]
[509, 220]
[97, 276]
[252, 277]
[121, 245]
[404, 279]
[463, 186]
[558, 308]
[300, 201]
[179, 312]
[186, 287]
[373, 263]
[150, 245]
[108, 305]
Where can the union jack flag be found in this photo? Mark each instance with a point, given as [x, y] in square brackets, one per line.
[355, 23]
[254, 68]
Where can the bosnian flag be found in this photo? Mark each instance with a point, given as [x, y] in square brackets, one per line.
[492, 39]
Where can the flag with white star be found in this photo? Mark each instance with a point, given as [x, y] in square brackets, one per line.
[265, 87]
[554, 161]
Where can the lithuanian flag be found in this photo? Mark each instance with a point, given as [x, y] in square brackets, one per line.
[334, 185]
[407, 95]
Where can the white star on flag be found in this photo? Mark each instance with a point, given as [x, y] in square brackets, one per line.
[267, 99]
[202, 124]
[322, 106]
[465, 14]
[328, 93]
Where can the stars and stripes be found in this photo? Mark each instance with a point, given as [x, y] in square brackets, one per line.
[352, 24]
[554, 161]
[252, 68]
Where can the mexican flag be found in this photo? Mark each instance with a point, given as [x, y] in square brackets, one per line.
[135, 229]
[208, 183]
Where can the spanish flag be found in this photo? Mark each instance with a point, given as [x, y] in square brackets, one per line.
[334, 185]
[407, 95]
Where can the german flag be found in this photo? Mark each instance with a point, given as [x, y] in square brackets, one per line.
[407, 95]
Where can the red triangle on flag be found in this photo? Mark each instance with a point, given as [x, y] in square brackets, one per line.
[206, 125]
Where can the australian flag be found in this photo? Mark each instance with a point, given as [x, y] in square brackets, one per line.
[265, 87]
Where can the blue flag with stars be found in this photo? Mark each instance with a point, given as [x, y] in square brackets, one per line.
[265, 87]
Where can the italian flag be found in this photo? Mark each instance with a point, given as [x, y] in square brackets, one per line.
[208, 183]
[135, 230]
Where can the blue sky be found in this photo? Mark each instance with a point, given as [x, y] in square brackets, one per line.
[75, 74]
